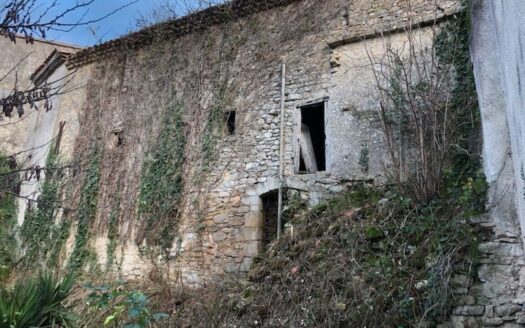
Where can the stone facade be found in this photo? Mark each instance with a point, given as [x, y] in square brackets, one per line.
[221, 227]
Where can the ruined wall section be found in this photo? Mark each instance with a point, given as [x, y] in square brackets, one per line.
[235, 66]
[131, 92]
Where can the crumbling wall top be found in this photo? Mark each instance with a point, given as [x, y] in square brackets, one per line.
[194, 22]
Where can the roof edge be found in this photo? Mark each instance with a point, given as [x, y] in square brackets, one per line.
[194, 22]
[51, 63]
[51, 42]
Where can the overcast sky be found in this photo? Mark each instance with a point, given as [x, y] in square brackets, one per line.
[116, 25]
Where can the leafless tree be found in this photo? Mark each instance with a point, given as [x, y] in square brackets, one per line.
[29, 19]
[419, 124]
[34, 18]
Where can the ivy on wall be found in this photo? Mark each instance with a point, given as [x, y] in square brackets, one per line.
[211, 134]
[364, 159]
[215, 123]
[42, 237]
[113, 233]
[8, 185]
[452, 47]
[215, 126]
[161, 183]
[223, 87]
[464, 95]
[86, 212]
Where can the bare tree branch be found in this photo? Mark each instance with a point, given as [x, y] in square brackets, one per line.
[20, 18]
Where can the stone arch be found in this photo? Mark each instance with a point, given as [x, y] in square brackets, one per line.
[253, 230]
[268, 186]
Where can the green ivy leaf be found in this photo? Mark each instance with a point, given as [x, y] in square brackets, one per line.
[109, 319]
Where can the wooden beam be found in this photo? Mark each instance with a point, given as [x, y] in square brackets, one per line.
[307, 149]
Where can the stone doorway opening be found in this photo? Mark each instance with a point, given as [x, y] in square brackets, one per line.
[270, 204]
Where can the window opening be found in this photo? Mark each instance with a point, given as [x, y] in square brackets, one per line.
[229, 119]
[312, 138]
[116, 139]
[119, 138]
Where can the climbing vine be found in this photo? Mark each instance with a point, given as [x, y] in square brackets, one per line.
[214, 126]
[86, 212]
[210, 136]
[364, 159]
[42, 237]
[452, 48]
[9, 183]
[215, 122]
[429, 116]
[161, 183]
[113, 233]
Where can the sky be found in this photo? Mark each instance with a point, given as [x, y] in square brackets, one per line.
[119, 23]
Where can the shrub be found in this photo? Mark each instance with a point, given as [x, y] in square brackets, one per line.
[121, 307]
[367, 258]
[36, 302]
[428, 106]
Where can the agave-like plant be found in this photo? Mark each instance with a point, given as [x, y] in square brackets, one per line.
[37, 302]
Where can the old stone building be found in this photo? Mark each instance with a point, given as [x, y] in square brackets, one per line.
[265, 98]
[295, 65]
